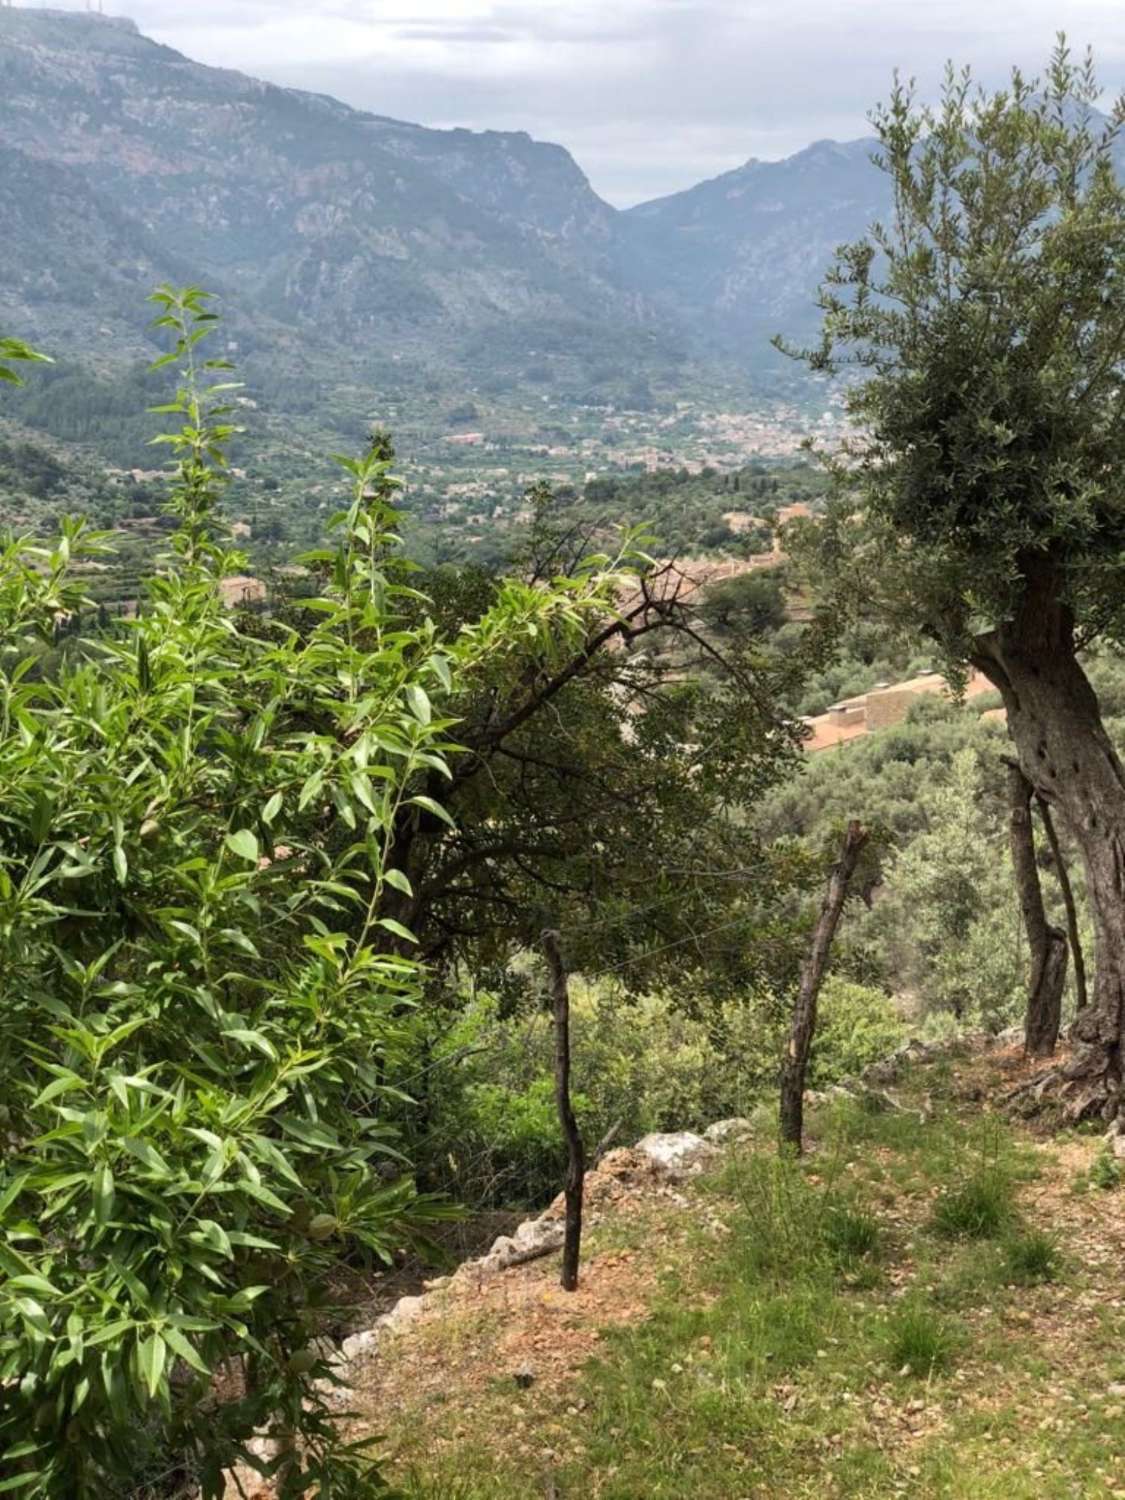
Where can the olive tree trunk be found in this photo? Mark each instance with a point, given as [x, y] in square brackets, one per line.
[1055, 723]
[803, 1027]
[1046, 943]
[1062, 875]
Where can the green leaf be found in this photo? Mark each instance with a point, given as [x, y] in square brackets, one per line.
[150, 1361]
[244, 844]
[272, 807]
[103, 1194]
[431, 806]
[440, 668]
[110, 1331]
[62, 1085]
[183, 1349]
[12, 1191]
[419, 703]
[18, 1481]
[34, 1283]
[400, 882]
[252, 1039]
[147, 1155]
[390, 925]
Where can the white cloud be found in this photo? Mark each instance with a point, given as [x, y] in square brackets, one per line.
[650, 95]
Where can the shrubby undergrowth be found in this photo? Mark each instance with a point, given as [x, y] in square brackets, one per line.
[487, 1131]
[206, 1007]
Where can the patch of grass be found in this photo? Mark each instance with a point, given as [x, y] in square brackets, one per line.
[1105, 1171]
[763, 1345]
[961, 1276]
[850, 1235]
[980, 1207]
[780, 1214]
[1031, 1258]
[417, 1488]
[919, 1341]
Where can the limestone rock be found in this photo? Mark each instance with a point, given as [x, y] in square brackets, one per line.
[727, 1132]
[677, 1154]
[405, 1311]
[357, 1349]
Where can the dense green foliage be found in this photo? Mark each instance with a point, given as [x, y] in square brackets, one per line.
[198, 1050]
[487, 1130]
[986, 322]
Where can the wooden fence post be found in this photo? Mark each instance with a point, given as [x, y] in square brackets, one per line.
[576, 1164]
[796, 1059]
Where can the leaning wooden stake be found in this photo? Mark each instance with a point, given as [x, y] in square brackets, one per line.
[576, 1163]
[796, 1058]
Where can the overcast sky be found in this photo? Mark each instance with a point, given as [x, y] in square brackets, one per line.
[649, 95]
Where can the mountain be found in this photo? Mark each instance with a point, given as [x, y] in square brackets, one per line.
[366, 261]
[742, 254]
[127, 160]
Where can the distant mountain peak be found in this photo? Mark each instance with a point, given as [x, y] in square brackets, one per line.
[74, 17]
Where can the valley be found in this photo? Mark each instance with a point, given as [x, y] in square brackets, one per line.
[503, 693]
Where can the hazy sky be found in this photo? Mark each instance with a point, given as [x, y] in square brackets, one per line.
[649, 95]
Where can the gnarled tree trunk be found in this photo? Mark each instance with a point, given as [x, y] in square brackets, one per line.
[1056, 725]
[1047, 944]
[1062, 875]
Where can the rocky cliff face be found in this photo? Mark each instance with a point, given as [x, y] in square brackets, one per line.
[475, 254]
[357, 226]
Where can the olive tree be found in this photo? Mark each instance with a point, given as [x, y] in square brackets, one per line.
[981, 502]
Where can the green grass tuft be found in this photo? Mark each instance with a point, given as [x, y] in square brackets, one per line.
[1031, 1258]
[850, 1235]
[1106, 1170]
[979, 1208]
[919, 1342]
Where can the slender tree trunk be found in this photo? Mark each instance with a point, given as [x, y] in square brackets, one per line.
[803, 1027]
[1047, 944]
[576, 1164]
[1063, 877]
[1056, 725]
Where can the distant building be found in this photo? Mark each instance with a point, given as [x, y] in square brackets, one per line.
[240, 590]
[882, 708]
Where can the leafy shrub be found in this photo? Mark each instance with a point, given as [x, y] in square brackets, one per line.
[205, 990]
[850, 1234]
[1105, 1171]
[512, 1139]
[491, 1136]
[856, 1026]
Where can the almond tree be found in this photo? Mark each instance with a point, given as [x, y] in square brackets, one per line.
[980, 503]
[203, 990]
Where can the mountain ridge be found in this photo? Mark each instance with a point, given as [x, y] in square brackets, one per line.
[384, 255]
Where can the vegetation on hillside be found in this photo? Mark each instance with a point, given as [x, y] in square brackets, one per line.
[274, 879]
